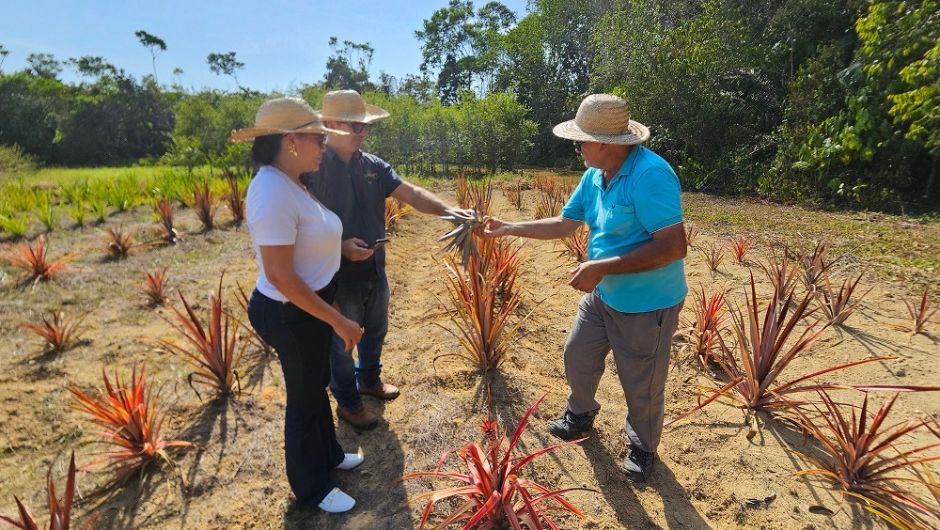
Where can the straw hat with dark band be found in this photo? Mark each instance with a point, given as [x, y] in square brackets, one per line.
[605, 119]
[348, 105]
[283, 116]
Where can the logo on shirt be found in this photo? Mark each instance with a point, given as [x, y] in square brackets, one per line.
[371, 176]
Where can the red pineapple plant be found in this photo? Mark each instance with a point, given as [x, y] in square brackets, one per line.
[739, 247]
[155, 287]
[576, 245]
[213, 351]
[235, 199]
[863, 455]
[838, 305]
[920, 312]
[492, 492]
[130, 418]
[709, 323]
[57, 332]
[60, 509]
[205, 206]
[34, 261]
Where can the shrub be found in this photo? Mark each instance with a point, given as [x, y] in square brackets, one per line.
[14, 162]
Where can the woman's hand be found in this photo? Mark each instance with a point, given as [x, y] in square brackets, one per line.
[355, 249]
[349, 331]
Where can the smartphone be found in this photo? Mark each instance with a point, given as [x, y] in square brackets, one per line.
[378, 242]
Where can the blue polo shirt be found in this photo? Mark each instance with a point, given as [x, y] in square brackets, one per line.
[643, 197]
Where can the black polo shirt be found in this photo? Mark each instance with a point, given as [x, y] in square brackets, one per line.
[356, 193]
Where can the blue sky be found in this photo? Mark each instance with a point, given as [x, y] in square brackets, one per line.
[283, 43]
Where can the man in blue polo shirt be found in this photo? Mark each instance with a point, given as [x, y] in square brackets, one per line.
[634, 276]
[354, 185]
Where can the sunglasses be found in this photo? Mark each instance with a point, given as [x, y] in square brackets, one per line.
[319, 139]
[358, 127]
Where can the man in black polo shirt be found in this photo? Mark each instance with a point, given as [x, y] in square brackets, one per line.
[354, 185]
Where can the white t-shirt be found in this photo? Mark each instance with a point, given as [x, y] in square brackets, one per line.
[280, 212]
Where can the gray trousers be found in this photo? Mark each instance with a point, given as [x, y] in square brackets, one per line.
[641, 343]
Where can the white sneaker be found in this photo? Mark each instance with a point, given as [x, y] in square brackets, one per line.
[336, 501]
[350, 461]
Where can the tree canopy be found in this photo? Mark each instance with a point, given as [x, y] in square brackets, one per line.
[818, 101]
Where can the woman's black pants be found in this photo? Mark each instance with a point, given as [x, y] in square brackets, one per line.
[302, 343]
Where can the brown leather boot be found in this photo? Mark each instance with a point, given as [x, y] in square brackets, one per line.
[382, 391]
[359, 417]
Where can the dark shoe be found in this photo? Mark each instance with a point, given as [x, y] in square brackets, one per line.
[571, 425]
[382, 391]
[358, 417]
[639, 464]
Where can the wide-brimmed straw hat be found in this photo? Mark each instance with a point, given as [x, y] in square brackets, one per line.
[348, 105]
[283, 116]
[605, 119]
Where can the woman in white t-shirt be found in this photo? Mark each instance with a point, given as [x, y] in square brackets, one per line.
[297, 244]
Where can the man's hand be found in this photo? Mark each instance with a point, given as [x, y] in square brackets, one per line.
[496, 228]
[355, 249]
[586, 276]
[459, 212]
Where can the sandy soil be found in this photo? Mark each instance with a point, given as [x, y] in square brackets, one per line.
[710, 476]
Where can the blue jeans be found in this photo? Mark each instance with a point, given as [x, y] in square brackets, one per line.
[302, 343]
[364, 301]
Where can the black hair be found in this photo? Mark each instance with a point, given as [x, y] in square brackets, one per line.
[265, 149]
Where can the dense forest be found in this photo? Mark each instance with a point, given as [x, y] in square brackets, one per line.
[833, 102]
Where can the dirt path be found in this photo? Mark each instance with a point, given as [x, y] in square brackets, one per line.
[234, 474]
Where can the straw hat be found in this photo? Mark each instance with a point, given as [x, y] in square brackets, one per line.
[283, 116]
[348, 105]
[604, 119]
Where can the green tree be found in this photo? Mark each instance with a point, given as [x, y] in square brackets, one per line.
[879, 148]
[348, 66]
[226, 64]
[462, 44]
[33, 107]
[44, 65]
[153, 44]
[547, 64]
[3, 55]
[92, 66]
